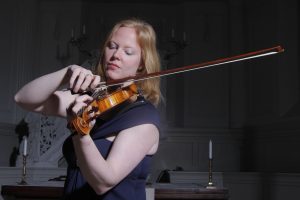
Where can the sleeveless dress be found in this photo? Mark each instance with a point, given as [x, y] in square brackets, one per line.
[131, 187]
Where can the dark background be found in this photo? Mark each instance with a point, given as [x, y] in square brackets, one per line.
[250, 109]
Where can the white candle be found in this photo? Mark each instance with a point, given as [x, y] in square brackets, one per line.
[210, 150]
[25, 146]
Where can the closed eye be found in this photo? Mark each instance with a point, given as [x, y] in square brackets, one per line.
[112, 45]
[129, 53]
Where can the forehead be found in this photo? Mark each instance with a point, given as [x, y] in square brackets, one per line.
[125, 36]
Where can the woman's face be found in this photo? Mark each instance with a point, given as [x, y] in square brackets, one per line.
[122, 54]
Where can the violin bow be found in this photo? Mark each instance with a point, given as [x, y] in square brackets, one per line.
[221, 61]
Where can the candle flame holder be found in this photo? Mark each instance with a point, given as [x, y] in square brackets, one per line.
[210, 184]
[23, 179]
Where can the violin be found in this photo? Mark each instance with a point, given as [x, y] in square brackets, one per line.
[104, 101]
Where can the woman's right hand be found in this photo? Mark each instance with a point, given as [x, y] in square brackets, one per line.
[81, 79]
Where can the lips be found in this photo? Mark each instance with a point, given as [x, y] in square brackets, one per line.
[112, 66]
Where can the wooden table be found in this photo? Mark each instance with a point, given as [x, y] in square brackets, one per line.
[31, 192]
[55, 192]
[191, 193]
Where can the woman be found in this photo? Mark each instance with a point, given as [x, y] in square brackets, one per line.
[112, 162]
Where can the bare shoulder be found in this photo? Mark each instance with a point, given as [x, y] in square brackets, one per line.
[144, 138]
[141, 131]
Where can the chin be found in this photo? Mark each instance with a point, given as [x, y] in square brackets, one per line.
[113, 76]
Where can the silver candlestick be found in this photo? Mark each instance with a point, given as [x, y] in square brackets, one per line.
[210, 184]
[23, 180]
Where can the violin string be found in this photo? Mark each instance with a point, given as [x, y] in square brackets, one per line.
[98, 92]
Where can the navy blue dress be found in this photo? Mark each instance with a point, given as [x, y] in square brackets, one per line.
[133, 186]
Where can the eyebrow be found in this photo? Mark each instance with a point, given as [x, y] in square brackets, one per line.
[125, 47]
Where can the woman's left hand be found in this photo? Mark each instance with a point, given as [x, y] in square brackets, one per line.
[81, 104]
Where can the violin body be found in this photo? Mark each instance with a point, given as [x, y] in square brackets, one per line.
[100, 105]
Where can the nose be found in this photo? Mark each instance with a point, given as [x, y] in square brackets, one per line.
[116, 54]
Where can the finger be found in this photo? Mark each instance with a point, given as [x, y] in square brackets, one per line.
[74, 74]
[77, 108]
[84, 98]
[79, 81]
[73, 111]
[87, 82]
[80, 102]
[95, 82]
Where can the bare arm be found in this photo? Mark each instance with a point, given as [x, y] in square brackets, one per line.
[38, 95]
[42, 95]
[129, 148]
